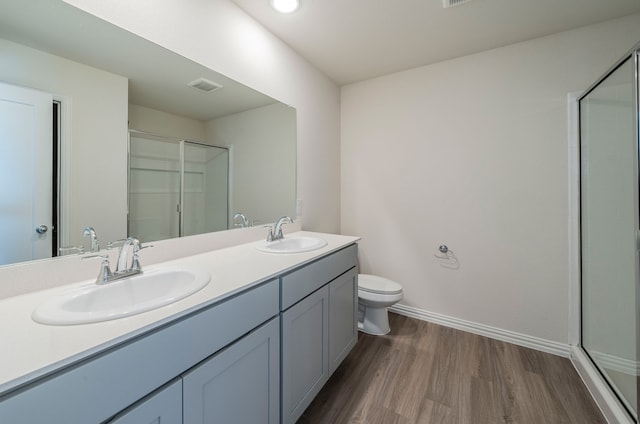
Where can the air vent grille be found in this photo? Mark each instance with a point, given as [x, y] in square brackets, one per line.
[450, 3]
[204, 85]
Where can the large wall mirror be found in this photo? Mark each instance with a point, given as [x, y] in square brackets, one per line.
[100, 83]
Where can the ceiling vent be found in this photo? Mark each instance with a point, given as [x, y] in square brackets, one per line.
[204, 85]
[450, 3]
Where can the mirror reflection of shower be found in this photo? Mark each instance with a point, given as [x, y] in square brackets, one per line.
[609, 227]
[176, 187]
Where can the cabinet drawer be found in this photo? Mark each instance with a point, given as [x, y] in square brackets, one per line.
[302, 282]
[97, 388]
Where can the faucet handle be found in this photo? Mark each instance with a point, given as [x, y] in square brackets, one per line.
[114, 244]
[135, 261]
[121, 242]
[270, 233]
[138, 247]
[105, 270]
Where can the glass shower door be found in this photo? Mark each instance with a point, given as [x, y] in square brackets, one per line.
[176, 188]
[206, 181]
[609, 225]
[154, 187]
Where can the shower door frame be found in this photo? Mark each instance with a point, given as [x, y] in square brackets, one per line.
[604, 390]
[183, 145]
[181, 142]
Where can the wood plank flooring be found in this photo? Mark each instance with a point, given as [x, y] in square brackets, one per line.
[426, 373]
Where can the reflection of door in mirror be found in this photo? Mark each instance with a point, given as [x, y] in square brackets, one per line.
[176, 187]
[205, 197]
[26, 149]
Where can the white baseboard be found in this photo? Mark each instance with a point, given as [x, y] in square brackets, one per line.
[604, 397]
[532, 342]
[616, 363]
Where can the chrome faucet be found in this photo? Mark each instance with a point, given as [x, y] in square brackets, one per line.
[93, 239]
[123, 257]
[275, 233]
[122, 271]
[243, 220]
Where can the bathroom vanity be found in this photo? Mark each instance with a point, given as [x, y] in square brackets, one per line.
[318, 306]
[266, 324]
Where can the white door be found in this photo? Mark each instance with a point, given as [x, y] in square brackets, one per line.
[25, 174]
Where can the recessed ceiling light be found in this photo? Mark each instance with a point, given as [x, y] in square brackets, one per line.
[285, 6]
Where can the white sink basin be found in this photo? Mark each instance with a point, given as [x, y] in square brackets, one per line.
[93, 303]
[292, 245]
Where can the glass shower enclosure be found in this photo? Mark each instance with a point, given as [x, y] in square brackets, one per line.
[609, 220]
[176, 187]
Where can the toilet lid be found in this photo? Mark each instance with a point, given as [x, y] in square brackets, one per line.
[376, 284]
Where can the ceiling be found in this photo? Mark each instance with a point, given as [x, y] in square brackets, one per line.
[354, 40]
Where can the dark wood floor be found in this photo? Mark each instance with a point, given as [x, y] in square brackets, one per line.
[426, 373]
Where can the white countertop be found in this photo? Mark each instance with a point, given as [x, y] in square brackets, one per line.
[31, 350]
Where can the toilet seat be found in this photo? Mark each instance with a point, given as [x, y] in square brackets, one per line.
[378, 285]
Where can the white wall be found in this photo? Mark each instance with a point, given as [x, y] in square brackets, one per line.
[472, 153]
[142, 118]
[263, 166]
[98, 134]
[217, 34]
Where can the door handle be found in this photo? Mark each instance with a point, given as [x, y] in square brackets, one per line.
[42, 229]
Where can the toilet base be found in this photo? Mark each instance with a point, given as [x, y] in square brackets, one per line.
[372, 320]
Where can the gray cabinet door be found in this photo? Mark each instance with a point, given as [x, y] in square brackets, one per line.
[305, 363]
[240, 384]
[163, 406]
[343, 327]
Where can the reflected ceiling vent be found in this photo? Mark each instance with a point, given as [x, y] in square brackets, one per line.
[204, 85]
[450, 3]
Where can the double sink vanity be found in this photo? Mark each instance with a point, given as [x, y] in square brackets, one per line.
[243, 334]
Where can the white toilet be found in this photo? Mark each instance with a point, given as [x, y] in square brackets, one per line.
[375, 295]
